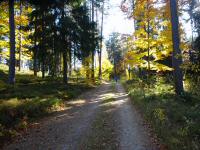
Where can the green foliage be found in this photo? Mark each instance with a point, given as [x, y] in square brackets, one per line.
[116, 47]
[174, 119]
[107, 69]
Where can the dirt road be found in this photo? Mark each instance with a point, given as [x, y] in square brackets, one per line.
[106, 107]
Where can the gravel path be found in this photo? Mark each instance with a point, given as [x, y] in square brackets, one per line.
[68, 129]
[132, 133]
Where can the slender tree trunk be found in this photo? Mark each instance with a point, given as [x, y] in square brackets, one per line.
[20, 37]
[70, 59]
[57, 64]
[35, 62]
[93, 51]
[65, 65]
[11, 78]
[20, 52]
[74, 60]
[101, 44]
[43, 48]
[43, 67]
[148, 37]
[87, 70]
[176, 57]
[35, 67]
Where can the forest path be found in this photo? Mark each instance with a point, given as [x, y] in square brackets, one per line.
[133, 134]
[73, 128]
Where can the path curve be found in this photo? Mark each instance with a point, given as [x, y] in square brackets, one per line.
[68, 129]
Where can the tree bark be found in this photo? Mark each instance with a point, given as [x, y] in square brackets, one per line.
[70, 59]
[93, 51]
[35, 67]
[20, 37]
[101, 44]
[148, 38]
[65, 65]
[65, 78]
[176, 57]
[43, 48]
[11, 78]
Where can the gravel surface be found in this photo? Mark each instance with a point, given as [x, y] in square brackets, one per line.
[68, 129]
[133, 134]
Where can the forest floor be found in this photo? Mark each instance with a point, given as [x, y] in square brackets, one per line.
[102, 118]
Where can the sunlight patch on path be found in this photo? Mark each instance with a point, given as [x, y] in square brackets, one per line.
[133, 135]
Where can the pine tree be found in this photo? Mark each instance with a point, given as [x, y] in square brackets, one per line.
[176, 57]
[11, 78]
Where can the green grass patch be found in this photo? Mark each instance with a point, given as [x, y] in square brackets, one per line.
[174, 119]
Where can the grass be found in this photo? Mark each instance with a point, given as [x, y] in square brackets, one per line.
[31, 98]
[174, 119]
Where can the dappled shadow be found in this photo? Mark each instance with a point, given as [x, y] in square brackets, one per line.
[43, 90]
[68, 125]
[67, 128]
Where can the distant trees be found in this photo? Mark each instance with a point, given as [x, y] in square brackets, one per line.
[116, 48]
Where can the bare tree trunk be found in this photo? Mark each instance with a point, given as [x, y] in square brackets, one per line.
[11, 78]
[65, 65]
[20, 37]
[35, 67]
[43, 48]
[74, 61]
[70, 59]
[176, 57]
[35, 62]
[148, 37]
[101, 44]
[43, 67]
[93, 51]
[65, 78]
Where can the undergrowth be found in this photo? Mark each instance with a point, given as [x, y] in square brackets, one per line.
[175, 119]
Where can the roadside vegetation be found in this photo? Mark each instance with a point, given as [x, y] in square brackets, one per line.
[174, 119]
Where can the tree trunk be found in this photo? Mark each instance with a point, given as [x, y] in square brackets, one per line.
[74, 60]
[43, 48]
[20, 37]
[101, 44]
[35, 62]
[148, 38]
[35, 67]
[65, 65]
[176, 57]
[43, 67]
[70, 59]
[65, 79]
[93, 51]
[11, 78]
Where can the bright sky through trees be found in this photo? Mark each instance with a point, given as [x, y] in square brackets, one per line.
[116, 20]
